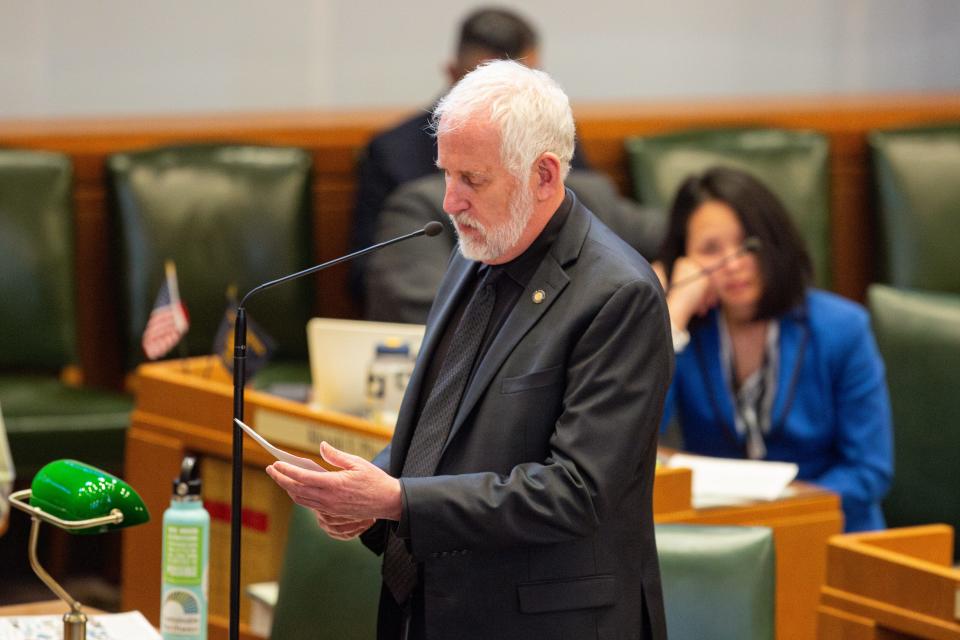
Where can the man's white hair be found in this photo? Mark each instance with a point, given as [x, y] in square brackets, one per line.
[531, 111]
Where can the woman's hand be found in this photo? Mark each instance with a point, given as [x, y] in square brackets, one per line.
[695, 297]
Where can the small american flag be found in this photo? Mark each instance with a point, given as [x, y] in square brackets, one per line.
[168, 321]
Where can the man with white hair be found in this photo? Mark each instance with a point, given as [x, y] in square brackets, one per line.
[515, 499]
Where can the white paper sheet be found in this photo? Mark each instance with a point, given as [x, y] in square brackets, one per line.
[277, 452]
[130, 625]
[719, 481]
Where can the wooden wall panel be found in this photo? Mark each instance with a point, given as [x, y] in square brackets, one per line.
[335, 138]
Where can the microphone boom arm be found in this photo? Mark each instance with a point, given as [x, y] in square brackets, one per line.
[428, 230]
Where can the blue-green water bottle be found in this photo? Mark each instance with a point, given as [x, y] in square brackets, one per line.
[186, 554]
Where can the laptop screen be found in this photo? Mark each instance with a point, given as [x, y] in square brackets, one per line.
[340, 355]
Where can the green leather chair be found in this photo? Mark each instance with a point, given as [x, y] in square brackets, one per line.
[919, 336]
[917, 193]
[793, 164]
[46, 418]
[718, 582]
[328, 588]
[225, 214]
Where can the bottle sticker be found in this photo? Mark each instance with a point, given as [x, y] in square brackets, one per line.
[180, 613]
[181, 555]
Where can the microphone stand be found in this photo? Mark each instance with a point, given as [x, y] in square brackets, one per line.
[239, 374]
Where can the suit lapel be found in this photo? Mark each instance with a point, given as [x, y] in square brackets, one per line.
[714, 378]
[448, 295]
[550, 278]
[791, 335]
[792, 328]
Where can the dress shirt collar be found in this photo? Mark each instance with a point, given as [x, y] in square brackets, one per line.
[522, 268]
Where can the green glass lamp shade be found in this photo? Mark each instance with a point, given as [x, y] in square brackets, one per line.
[72, 490]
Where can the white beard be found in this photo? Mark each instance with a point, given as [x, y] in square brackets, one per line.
[496, 241]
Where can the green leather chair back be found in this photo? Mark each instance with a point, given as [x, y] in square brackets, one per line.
[37, 326]
[919, 337]
[45, 418]
[225, 214]
[793, 164]
[718, 582]
[917, 192]
[329, 589]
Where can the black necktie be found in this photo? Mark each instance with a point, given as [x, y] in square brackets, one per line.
[436, 419]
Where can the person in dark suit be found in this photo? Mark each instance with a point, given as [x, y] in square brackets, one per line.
[408, 151]
[515, 498]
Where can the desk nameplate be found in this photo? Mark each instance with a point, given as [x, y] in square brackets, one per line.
[306, 434]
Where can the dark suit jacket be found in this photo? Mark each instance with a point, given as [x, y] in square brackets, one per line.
[538, 522]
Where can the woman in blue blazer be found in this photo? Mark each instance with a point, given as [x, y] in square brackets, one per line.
[767, 367]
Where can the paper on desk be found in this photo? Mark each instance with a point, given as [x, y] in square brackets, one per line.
[130, 625]
[277, 452]
[725, 481]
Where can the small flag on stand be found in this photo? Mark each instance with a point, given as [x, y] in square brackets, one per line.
[260, 346]
[168, 321]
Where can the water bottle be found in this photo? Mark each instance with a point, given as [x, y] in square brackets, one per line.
[186, 553]
[387, 379]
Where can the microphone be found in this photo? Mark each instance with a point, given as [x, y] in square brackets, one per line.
[430, 229]
[750, 245]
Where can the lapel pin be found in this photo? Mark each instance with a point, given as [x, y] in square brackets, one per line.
[538, 296]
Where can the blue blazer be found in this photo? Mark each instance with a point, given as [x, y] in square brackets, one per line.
[831, 412]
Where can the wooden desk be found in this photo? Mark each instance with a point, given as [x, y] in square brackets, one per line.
[898, 583]
[186, 406]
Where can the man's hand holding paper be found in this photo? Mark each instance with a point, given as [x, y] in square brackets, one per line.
[346, 502]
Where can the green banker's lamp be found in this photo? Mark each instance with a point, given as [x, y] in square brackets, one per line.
[80, 499]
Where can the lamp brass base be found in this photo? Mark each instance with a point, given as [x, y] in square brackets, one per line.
[74, 625]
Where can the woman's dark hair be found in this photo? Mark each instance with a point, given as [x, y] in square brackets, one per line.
[785, 265]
